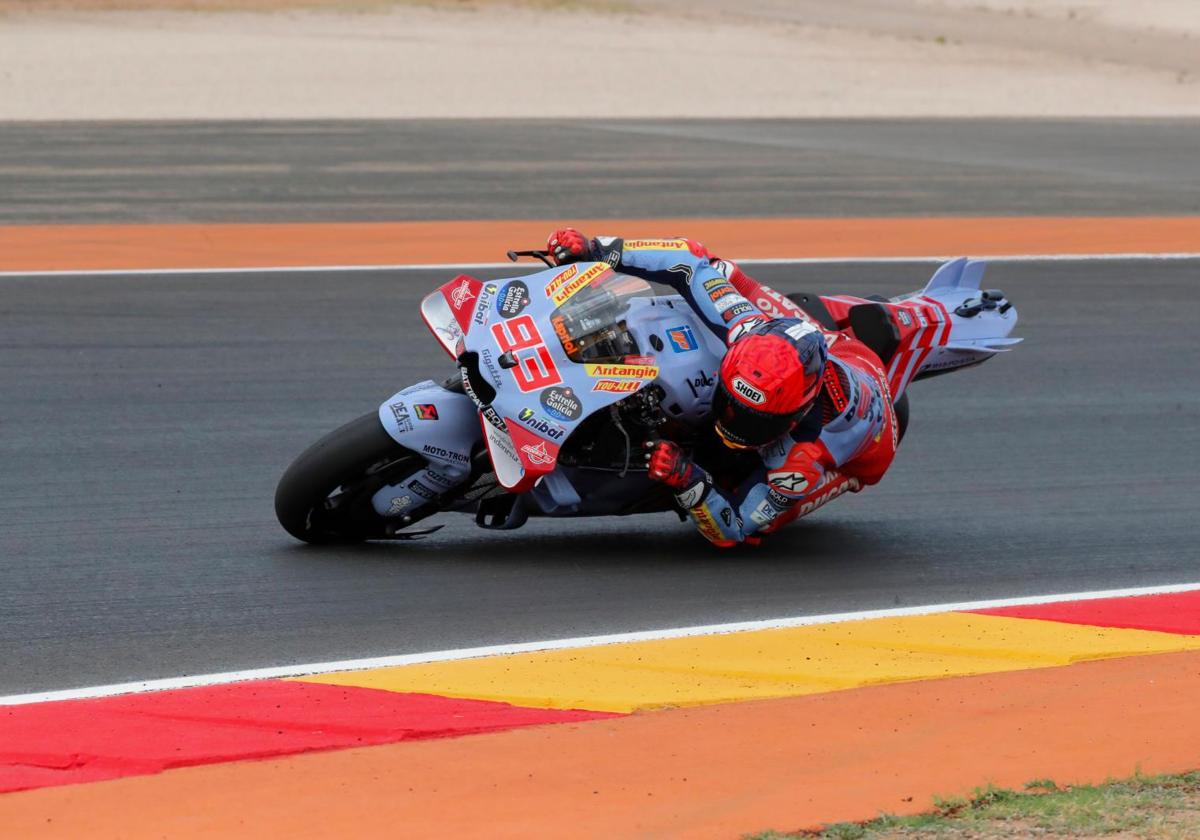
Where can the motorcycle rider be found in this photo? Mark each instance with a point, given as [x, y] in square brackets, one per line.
[814, 404]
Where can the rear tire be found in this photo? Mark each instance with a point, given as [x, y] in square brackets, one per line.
[325, 495]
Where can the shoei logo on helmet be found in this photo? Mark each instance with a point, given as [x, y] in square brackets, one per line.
[752, 394]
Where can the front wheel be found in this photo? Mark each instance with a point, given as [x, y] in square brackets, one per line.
[325, 495]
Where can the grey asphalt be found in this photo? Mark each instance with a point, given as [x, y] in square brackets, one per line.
[574, 169]
[144, 421]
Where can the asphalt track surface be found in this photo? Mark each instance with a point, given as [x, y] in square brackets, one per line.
[563, 169]
[146, 419]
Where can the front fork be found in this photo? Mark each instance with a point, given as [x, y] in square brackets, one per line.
[441, 426]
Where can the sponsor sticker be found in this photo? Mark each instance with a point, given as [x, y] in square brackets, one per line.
[468, 389]
[461, 294]
[681, 339]
[561, 404]
[569, 289]
[726, 302]
[485, 300]
[737, 311]
[904, 318]
[699, 383]
[720, 292]
[425, 411]
[764, 514]
[557, 281]
[400, 412]
[399, 505]
[513, 299]
[560, 329]
[537, 454]
[444, 454]
[715, 283]
[622, 371]
[500, 444]
[421, 490]
[613, 386]
[550, 430]
[490, 364]
[748, 391]
[494, 419]
[778, 499]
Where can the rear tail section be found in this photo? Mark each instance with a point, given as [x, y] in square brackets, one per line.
[952, 323]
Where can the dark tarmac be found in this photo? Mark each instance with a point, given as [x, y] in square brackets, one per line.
[146, 419]
[574, 169]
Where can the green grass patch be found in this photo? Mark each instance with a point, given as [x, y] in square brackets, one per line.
[1152, 807]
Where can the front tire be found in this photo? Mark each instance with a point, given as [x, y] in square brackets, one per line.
[325, 495]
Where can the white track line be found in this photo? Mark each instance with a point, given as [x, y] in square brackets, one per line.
[316, 269]
[560, 644]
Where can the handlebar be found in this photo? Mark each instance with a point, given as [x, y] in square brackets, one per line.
[544, 256]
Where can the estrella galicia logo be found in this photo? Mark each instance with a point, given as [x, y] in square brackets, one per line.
[682, 339]
[561, 403]
[513, 299]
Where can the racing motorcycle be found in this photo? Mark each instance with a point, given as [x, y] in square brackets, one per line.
[564, 374]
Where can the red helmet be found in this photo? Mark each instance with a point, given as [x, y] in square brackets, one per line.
[769, 379]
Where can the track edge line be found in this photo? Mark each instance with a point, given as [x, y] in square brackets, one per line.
[308, 669]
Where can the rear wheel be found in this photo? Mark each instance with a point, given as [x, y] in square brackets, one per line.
[325, 495]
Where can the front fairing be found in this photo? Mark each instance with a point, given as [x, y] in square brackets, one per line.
[531, 394]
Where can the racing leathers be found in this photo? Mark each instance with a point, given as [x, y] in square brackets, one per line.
[845, 442]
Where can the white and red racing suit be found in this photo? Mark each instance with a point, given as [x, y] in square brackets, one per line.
[848, 439]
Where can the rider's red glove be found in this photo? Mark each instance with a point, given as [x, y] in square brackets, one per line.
[568, 245]
[667, 463]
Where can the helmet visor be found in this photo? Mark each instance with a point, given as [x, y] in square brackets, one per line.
[740, 425]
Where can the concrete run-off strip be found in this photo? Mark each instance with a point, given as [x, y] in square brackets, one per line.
[87, 248]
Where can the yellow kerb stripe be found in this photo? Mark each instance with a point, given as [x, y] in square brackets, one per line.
[766, 663]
